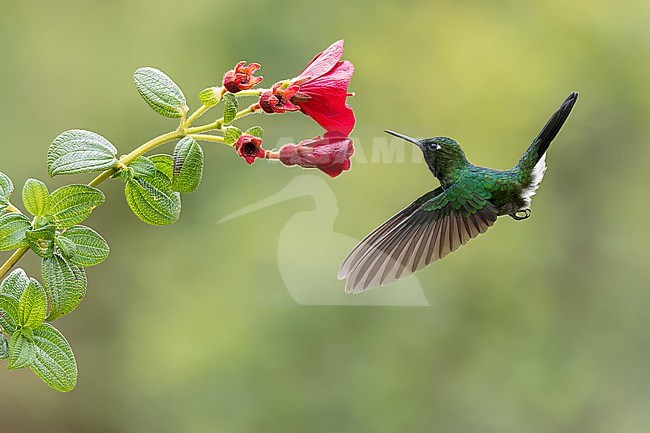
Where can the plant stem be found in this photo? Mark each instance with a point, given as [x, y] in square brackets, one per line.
[250, 92]
[12, 208]
[151, 145]
[146, 147]
[182, 130]
[219, 123]
[198, 113]
[205, 137]
[17, 255]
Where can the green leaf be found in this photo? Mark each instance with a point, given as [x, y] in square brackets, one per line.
[66, 246]
[4, 347]
[230, 107]
[71, 204]
[12, 231]
[165, 164]
[35, 196]
[8, 313]
[21, 349]
[124, 174]
[3, 203]
[143, 167]
[79, 151]
[152, 200]
[6, 186]
[41, 241]
[11, 290]
[188, 166]
[160, 92]
[210, 96]
[32, 307]
[255, 131]
[28, 332]
[90, 248]
[40, 222]
[14, 285]
[65, 285]
[231, 134]
[54, 361]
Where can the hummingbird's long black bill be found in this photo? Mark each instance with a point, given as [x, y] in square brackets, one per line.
[403, 137]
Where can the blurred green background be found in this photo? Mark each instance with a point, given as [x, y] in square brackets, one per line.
[536, 326]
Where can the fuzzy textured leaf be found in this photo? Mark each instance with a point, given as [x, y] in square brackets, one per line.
[152, 199]
[35, 196]
[160, 92]
[6, 186]
[188, 166]
[230, 107]
[210, 96]
[11, 290]
[4, 347]
[14, 284]
[80, 151]
[90, 248]
[231, 134]
[165, 164]
[67, 248]
[65, 285]
[41, 241]
[54, 361]
[143, 167]
[32, 307]
[71, 204]
[12, 231]
[8, 313]
[255, 131]
[21, 349]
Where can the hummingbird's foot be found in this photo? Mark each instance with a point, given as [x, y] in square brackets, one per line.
[521, 214]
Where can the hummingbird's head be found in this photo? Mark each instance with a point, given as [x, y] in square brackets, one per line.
[443, 155]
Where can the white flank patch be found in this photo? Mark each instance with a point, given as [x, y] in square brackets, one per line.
[538, 175]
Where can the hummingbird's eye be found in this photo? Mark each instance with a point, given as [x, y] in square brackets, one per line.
[433, 146]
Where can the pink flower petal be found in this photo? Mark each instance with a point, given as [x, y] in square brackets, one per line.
[326, 102]
[342, 120]
[324, 62]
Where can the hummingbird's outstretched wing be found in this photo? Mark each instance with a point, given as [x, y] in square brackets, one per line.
[430, 228]
[371, 239]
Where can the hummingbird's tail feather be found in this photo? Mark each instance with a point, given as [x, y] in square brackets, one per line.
[532, 165]
[540, 145]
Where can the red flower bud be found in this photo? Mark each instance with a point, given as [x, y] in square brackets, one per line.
[278, 99]
[330, 154]
[241, 78]
[249, 148]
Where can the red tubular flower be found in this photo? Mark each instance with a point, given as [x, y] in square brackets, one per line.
[249, 148]
[241, 78]
[320, 91]
[324, 90]
[330, 154]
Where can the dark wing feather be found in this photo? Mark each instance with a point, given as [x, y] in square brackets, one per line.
[383, 230]
[430, 232]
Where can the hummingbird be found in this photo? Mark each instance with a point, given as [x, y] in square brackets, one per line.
[467, 203]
